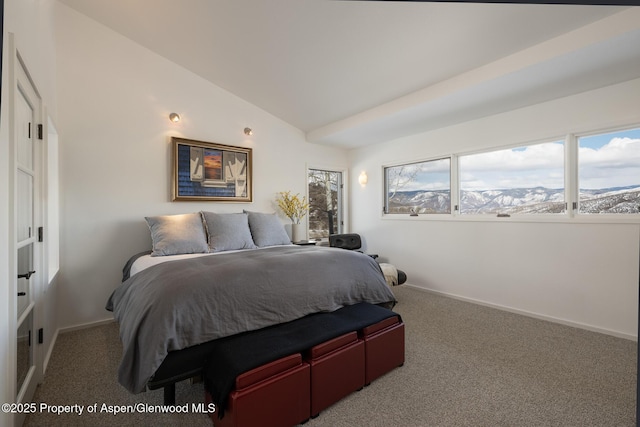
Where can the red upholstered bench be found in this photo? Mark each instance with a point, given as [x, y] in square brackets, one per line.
[383, 347]
[337, 369]
[276, 394]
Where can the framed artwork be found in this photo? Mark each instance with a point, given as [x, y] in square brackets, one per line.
[204, 171]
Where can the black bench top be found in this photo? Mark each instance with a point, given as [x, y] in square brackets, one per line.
[234, 355]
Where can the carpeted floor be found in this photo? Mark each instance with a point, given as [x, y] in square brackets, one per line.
[466, 365]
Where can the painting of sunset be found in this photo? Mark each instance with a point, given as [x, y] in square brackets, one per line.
[208, 171]
[213, 164]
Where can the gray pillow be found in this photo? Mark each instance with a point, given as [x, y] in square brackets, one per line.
[267, 230]
[228, 232]
[177, 234]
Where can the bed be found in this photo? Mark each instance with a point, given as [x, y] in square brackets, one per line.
[211, 275]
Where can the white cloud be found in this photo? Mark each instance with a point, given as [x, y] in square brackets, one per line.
[619, 152]
[615, 164]
[533, 157]
[539, 165]
[429, 175]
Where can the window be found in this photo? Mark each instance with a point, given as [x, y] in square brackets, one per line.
[52, 239]
[609, 173]
[325, 203]
[418, 188]
[585, 175]
[522, 180]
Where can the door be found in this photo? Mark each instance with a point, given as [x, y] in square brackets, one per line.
[27, 216]
[325, 203]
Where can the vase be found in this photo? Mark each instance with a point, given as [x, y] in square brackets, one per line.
[298, 232]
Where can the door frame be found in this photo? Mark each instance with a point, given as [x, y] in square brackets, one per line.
[19, 73]
[343, 192]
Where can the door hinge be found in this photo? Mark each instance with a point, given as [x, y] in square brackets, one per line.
[40, 234]
[575, 205]
[40, 335]
[29, 131]
[40, 130]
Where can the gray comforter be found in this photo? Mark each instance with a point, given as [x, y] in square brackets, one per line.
[178, 304]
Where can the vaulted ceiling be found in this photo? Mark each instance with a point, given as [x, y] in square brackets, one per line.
[352, 73]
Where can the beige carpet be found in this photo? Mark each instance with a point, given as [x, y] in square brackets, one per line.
[466, 365]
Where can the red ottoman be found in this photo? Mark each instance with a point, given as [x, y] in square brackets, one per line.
[337, 369]
[272, 395]
[384, 347]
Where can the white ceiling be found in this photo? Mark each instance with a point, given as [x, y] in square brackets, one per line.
[351, 73]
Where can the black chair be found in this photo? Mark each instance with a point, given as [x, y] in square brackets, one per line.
[352, 241]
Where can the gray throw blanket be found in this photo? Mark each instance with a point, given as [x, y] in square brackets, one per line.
[178, 304]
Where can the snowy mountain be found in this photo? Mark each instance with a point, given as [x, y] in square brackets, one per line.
[612, 200]
[518, 201]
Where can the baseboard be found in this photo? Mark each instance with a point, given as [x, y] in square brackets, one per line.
[529, 314]
[45, 362]
[85, 325]
[59, 331]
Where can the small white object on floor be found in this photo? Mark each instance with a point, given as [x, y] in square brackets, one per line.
[390, 273]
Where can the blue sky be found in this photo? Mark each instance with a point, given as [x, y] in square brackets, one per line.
[597, 141]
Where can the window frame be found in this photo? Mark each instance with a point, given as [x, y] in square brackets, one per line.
[343, 197]
[571, 173]
[576, 174]
[385, 192]
[566, 181]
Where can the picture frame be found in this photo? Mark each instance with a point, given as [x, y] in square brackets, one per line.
[206, 171]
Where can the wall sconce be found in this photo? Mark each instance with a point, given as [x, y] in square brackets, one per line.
[248, 131]
[174, 117]
[363, 179]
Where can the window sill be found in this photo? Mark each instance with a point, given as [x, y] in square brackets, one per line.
[558, 218]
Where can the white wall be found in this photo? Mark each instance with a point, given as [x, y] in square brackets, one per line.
[576, 273]
[110, 101]
[114, 98]
[31, 23]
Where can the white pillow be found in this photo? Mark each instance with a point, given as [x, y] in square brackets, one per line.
[177, 234]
